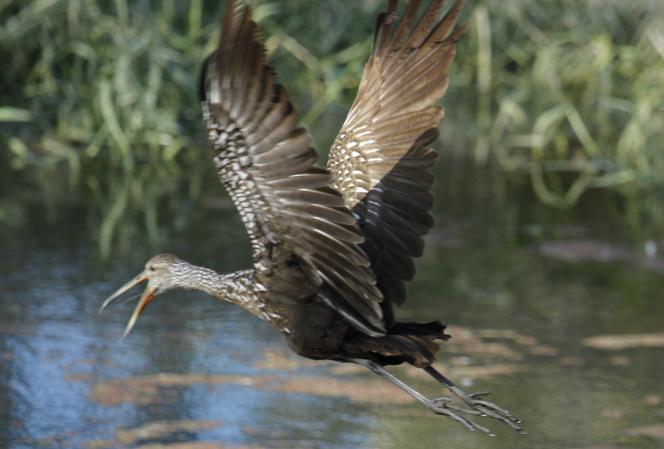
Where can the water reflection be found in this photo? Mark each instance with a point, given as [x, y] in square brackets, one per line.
[198, 371]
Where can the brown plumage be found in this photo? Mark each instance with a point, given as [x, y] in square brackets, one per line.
[381, 157]
[332, 248]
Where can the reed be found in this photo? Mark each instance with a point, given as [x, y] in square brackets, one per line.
[99, 98]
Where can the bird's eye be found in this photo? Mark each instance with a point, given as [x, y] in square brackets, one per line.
[151, 268]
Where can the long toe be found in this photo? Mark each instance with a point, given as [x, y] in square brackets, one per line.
[492, 410]
[443, 406]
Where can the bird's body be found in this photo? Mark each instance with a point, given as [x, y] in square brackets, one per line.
[291, 304]
[332, 247]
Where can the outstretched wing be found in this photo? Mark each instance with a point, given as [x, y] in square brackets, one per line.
[380, 159]
[266, 164]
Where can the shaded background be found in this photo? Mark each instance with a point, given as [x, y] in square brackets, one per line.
[546, 257]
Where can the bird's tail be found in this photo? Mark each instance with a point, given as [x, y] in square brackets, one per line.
[413, 343]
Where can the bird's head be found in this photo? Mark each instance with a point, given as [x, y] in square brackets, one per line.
[162, 273]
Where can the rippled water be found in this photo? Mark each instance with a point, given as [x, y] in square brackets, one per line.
[200, 373]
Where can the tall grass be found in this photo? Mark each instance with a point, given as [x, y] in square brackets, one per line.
[572, 92]
[574, 88]
[99, 100]
[108, 96]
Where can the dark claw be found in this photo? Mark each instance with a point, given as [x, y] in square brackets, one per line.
[480, 395]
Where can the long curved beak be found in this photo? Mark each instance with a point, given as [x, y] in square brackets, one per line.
[146, 298]
[142, 277]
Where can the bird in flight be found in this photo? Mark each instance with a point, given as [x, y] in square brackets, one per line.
[332, 247]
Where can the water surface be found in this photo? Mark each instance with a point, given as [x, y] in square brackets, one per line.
[509, 277]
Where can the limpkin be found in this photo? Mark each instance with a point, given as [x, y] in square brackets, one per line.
[332, 247]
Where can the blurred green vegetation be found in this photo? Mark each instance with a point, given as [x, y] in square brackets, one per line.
[99, 98]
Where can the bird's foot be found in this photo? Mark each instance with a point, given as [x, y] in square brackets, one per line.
[473, 404]
[445, 406]
[478, 406]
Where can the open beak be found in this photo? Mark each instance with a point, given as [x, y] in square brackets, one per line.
[146, 298]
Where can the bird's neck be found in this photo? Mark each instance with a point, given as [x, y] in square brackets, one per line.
[237, 288]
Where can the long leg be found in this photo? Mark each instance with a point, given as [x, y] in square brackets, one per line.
[476, 401]
[439, 406]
